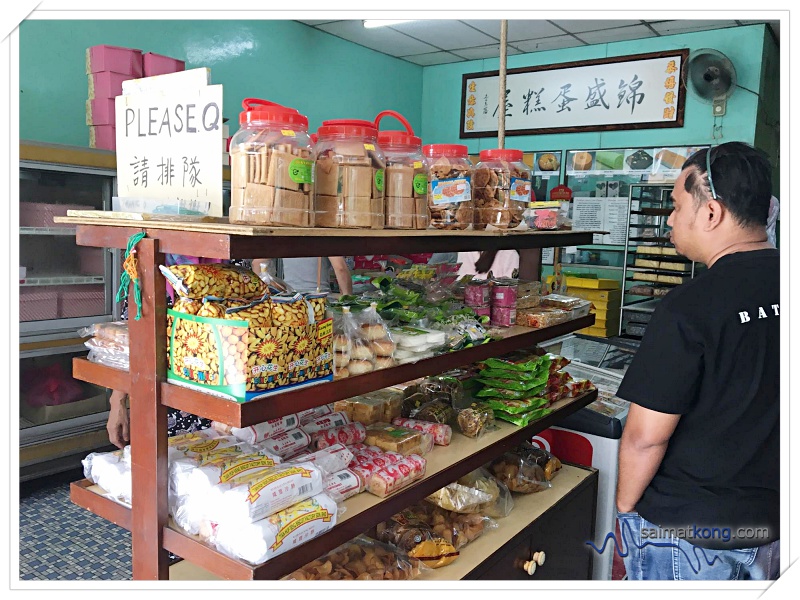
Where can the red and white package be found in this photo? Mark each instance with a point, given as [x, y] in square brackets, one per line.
[287, 444]
[330, 421]
[395, 477]
[306, 416]
[557, 379]
[352, 433]
[441, 432]
[578, 387]
[255, 434]
[365, 449]
[331, 459]
[343, 485]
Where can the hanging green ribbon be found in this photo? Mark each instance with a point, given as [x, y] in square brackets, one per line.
[130, 274]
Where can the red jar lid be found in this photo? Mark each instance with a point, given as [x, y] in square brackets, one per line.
[392, 139]
[501, 154]
[449, 150]
[263, 112]
[348, 128]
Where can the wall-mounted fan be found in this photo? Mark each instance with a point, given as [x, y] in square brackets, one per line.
[710, 76]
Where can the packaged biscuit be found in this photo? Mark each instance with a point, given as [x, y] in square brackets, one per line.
[222, 281]
[398, 439]
[523, 405]
[343, 484]
[482, 480]
[396, 476]
[335, 419]
[522, 419]
[288, 443]
[441, 432]
[435, 412]
[222, 469]
[414, 536]
[352, 433]
[255, 434]
[519, 471]
[475, 420]
[456, 528]
[331, 459]
[262, 540]
[306, 416]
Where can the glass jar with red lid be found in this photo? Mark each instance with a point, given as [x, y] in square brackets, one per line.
[501, 188]
[450, 189]
[349, 175]
[271, 166]
[406, 201]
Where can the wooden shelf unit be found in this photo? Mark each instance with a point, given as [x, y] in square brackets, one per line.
[148, 521]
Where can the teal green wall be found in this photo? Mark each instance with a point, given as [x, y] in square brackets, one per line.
[320, 75]
[769, 109]
[441, 95]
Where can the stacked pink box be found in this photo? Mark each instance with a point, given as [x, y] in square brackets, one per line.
[157, 64]
[107, 67]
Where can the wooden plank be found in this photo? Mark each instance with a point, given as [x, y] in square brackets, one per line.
[67, 155]
[148, 417]
[292, 401]
[86, 494]
[102, 375]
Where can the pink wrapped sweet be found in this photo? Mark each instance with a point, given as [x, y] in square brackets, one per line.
[476, 293]
[352, 433]
[441, 432]
[397, 476]
[504, 294]
[503, 317]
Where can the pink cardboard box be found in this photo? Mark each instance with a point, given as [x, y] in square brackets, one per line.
[100, 111]
[106, 84]
[103, 136]
[81, 301]
[36, 304]
[126, 61]
[156, 64]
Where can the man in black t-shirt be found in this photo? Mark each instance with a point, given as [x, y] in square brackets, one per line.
[699, 461]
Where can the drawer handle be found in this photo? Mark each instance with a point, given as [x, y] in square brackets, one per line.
[529, 567]
[538, 558]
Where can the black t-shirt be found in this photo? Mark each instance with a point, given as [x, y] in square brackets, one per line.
[711, 353]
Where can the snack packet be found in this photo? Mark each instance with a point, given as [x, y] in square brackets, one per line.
[475, 420]
[223, 281]
[522, 419]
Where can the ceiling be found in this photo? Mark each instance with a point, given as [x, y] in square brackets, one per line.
[437, 42]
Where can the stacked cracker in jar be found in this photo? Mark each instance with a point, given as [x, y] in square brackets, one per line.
[271, 167]
[501, 189]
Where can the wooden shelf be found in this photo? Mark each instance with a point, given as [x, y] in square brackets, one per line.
[445, 464]
[279, 404]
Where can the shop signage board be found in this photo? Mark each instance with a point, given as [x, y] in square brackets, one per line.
[648, 163]
[642, 91]
[169, 144]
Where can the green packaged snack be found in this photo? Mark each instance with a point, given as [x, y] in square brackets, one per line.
[524, 368]
[517, 406]
[514, 384]
[500, 374]
[522, 419]
[491, 392]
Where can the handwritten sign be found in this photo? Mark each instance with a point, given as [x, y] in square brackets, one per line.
[168, 148]
[605, 214]
[629, 92]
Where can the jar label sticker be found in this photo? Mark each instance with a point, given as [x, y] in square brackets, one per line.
[450, 191]
[287, 132]
[520, 190]
[369, 147]
[300, 170]
[420, 184]
[417, 164]
[378, 178]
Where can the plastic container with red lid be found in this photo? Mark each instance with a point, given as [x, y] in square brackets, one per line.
[349, 175]
[271, 166]
[450, 189]
[501, 189]
[406, 176]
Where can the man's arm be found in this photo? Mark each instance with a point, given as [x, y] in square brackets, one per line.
[342, 274]
[641, 450]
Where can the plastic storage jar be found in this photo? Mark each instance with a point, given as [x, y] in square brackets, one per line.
[501, 188]
[406, 177]
[450, 188]
[271, 162]
[349, 175]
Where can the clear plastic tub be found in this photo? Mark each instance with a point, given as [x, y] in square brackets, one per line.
[406, 194]
[450, 188]
[271, 166]
[501, 188]
[349, 175]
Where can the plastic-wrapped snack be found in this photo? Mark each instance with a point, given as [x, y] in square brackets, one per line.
[109, 358]
[258, 542]
[220, 470]
[417, 539]
[441, 432]
[522, 419]
[457, 528]
[398, 439]
[306, 416]
[391, 400]
[503, 394]
[291, 311]
[483, 481]
[365, 410]
[111, 471]
[364, 449]
[541, 457]
[107, 345]
[356, 348]
[258, 494]
[343, 485]
[352, 433]
[530, 368]
[435, 412]
[255, 434]
[331, 459]
[542, 317]
[412, 404]
[444, 388]
[223, 281]
[562, 302]
[460, 498]
[475, 420]
[519, 472]
[288, 443]
[377, 461]
[558, 379]
[115, 331]
[203, 443]
[335, 419]
[362, 559]
[397, 476]
[578, 387]
[515, 407]
[557, 362]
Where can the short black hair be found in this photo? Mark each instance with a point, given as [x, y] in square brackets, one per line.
[742, 177]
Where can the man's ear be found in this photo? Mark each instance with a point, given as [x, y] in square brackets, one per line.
[712, 213]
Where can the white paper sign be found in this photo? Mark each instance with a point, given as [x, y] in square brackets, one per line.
[605, 214]
[619, 93]
[168, 147]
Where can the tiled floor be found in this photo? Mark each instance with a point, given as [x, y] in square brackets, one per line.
[60, 540]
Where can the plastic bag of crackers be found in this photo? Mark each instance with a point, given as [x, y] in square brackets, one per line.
[361, 559]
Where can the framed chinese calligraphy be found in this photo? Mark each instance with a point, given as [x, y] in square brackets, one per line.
[643, 91]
